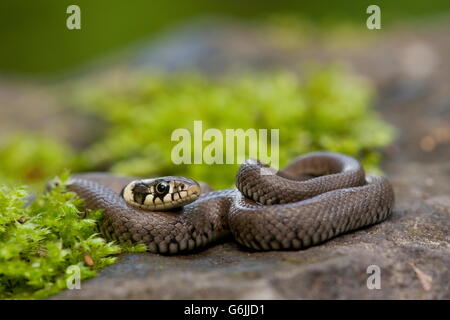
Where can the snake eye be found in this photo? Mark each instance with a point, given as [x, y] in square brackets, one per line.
[162, 187]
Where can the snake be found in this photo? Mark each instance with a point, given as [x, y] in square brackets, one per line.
[316, 197]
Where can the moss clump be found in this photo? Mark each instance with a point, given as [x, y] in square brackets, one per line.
[40, 241]
[327, 110]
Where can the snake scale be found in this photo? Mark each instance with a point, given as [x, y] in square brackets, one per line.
[314, 198]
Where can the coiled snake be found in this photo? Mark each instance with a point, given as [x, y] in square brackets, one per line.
[316, 197]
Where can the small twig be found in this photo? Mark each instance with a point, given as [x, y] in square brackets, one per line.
[88, 260]
[425, 279]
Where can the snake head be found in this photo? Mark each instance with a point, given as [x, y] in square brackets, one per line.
[159, 194]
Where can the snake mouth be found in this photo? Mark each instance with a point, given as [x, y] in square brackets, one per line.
[194, 190]
[160, 194]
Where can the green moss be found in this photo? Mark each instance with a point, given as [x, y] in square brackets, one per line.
[327, 110]
[40, 241]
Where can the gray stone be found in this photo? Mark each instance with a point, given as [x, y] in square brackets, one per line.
[412, 243]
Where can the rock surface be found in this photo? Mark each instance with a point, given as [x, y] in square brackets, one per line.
[412, 248]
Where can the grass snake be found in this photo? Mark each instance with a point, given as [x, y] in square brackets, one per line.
[314, 198]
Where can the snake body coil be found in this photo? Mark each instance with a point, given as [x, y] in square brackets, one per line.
[316, 197]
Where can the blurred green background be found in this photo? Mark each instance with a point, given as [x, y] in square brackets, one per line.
[328, 108]
[35, 40]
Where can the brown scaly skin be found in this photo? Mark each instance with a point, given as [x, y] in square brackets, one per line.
[316, 197]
